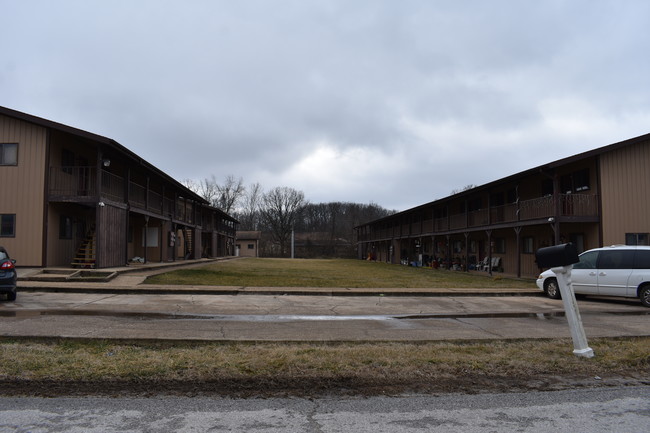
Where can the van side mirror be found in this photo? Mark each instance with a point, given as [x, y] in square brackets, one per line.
[557, 255]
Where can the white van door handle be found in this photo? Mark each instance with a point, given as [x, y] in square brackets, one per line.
[603, 274]
[592, 274]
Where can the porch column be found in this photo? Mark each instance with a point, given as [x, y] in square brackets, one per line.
[518, 240]
[99, 257]
[489, 245]
[557, 203]
[197, 241]
[146, 225]
[466, 251]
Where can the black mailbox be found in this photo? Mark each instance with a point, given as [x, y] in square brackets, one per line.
[558, 255]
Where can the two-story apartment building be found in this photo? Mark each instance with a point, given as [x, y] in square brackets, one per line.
[596, 198]
[72, 198]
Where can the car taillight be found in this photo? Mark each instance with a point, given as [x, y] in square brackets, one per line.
[5, 266]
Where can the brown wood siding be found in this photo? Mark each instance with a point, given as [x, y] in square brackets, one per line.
[625, 190]
[111, 236]
[22, 190]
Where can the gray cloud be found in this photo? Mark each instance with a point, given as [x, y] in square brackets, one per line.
[392, 102]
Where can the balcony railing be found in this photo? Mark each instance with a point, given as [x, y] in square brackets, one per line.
[569, 205]
[80, 184]
[112, 186]
[73, 181]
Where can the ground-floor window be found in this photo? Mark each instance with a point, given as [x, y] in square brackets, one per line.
[251, 246]
[500, 245]
[528, 245]
[152, 237]
[636, 239]
[65, 227]
[578, 239]
[7, 225]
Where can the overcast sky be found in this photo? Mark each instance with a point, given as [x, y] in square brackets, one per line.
[395, 102]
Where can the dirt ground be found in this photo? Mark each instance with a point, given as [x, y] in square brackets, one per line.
[313, 387]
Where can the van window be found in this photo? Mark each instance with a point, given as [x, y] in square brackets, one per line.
[642, 259]
[616, 259]
[587, 260]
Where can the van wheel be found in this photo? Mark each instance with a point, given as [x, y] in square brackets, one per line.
[551, 288]
[644, 295]
[11, 296]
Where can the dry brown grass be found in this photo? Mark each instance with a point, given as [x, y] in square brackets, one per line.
[305, 368]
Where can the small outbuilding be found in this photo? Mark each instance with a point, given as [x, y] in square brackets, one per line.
[248, 243]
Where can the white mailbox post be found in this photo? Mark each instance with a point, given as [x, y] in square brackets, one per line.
[560, 258]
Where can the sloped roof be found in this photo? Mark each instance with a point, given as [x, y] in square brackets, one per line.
[109, 142]
[544, 167]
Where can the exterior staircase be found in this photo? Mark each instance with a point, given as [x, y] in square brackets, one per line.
[85, 257]
[189, 243]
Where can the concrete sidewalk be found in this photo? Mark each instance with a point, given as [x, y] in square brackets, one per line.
[126, 308]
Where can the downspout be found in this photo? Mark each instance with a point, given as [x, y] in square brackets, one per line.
[600, 203]
[46, 200]
[98, 211]
[557, 203]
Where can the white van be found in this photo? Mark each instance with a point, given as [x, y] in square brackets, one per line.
[619, 270]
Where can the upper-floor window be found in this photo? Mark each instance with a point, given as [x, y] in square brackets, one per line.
[67, 161]
[575, 182]
[8, 153]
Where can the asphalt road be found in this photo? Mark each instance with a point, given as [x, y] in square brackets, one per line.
[620, 410]
[309, 318]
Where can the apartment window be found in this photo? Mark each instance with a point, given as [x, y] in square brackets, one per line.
[7, 225]
[581, 180]
[547, 187]
[575, 182]
[8, 153]
[65, 227]
[578, 239]
[67, 161]
[528, 245]
[636, 239]
[500, 245]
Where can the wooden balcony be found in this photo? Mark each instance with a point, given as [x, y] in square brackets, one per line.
[79, 185]
[566, 206]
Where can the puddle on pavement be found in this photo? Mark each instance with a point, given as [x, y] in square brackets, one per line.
[294, 317]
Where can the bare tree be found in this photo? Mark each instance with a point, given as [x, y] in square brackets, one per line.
[230, 193]
[251, 201]
[191, 185]
[208, 189]
[280, 211]
[465, 188]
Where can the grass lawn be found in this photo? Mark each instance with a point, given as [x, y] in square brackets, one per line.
[335, 273]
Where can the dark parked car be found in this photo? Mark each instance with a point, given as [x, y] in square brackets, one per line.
[7, 275]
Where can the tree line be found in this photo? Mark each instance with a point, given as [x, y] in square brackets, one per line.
[320, 229]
